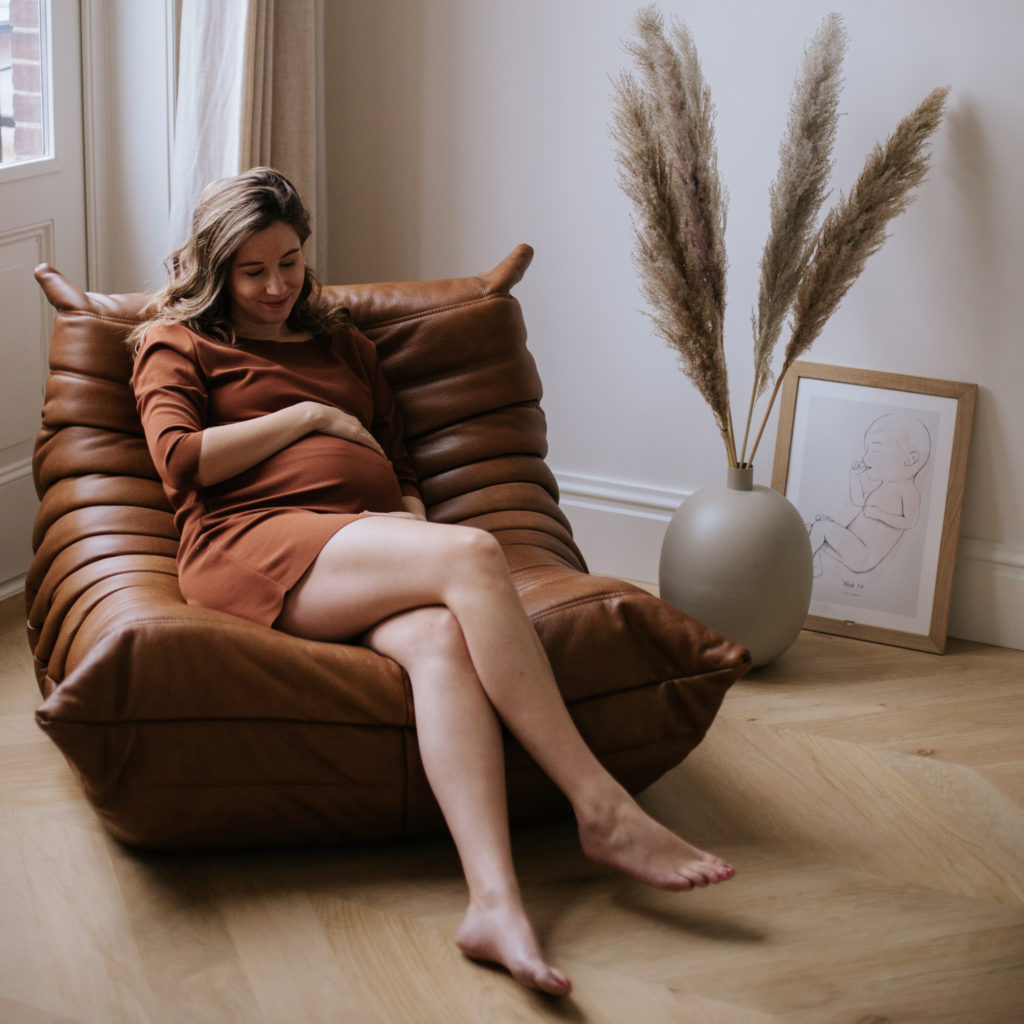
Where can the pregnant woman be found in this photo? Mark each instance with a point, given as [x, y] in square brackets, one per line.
[281, 450]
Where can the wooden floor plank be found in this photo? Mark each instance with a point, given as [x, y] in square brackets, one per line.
[844, 800]
[14, 1012]
[188, 955]
[23, 949]
[94, 966]
[276, 934]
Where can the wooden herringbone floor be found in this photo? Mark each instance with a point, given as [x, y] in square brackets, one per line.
[871, 798]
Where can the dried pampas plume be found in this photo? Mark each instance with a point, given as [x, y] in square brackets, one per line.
[663, 127]
[856, 227]
[668, 166]
[797, 195]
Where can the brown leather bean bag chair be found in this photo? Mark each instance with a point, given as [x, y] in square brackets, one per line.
[192, 728]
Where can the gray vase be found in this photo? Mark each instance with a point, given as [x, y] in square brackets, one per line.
[737, 557]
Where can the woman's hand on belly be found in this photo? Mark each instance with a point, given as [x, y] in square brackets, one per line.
[337, 423]
[229, 449]
[320, 473]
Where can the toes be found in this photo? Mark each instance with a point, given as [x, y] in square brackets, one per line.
[554, 983]
[694, 876]
[721, 872]
[543, 978]
[701, 874]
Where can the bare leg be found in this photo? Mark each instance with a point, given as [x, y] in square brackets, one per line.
[380, 566]
[374, 569]
[461, 746]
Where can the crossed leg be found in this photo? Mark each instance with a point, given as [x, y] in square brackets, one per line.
[460, 744]
[440, 600]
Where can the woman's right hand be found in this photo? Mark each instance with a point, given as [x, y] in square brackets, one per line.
[337, 423]
[231, 448]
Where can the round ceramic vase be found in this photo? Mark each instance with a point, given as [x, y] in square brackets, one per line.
[737, 557]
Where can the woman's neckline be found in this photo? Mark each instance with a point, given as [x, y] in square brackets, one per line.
[275, 341]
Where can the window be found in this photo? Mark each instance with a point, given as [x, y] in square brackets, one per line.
[24, 81]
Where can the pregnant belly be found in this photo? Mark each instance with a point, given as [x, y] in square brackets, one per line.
[317, 472]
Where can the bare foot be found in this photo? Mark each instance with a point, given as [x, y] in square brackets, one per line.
[502, 934]
[622, 836]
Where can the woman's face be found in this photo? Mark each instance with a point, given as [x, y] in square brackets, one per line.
[264, 281]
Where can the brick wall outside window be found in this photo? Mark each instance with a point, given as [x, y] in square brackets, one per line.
[22, 126]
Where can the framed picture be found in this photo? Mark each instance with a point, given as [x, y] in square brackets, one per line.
[875, 464]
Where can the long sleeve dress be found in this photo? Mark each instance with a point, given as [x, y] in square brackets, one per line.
[246, 541]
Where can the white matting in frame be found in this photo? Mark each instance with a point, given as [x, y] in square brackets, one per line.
[875, 464]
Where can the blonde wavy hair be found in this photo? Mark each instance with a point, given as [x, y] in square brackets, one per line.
[230, 211]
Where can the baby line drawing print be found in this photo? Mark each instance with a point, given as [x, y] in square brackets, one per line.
[883, 489]
[875, 463]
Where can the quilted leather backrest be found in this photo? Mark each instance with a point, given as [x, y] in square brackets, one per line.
[455, 353]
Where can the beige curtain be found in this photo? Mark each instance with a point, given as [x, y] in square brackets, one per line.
[248, 94]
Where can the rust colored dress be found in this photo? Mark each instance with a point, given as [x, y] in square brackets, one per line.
[246, 541]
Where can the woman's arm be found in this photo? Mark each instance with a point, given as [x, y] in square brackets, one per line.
[232, 448]
[171, 393]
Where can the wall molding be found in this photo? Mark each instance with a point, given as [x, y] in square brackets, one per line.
[620, 525]
[15, 471]
[12, 587]
[42, 234]
[18, 506]
[29, 317]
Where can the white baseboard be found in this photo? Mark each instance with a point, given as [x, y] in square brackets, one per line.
[988, 594]
[11, 587]
[619, 528]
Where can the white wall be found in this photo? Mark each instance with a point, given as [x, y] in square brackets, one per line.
[458, 128]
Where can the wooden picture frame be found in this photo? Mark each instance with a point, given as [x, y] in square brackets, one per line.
[875, 463]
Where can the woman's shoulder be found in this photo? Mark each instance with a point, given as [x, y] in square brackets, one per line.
[165, 340]
[184, 341]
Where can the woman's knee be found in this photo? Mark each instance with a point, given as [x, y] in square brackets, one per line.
[476, 553]
[431, 633]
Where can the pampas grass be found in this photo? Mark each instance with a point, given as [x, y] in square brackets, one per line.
[663, 127]
[797, 195]
[668, 166]
[856, 227]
